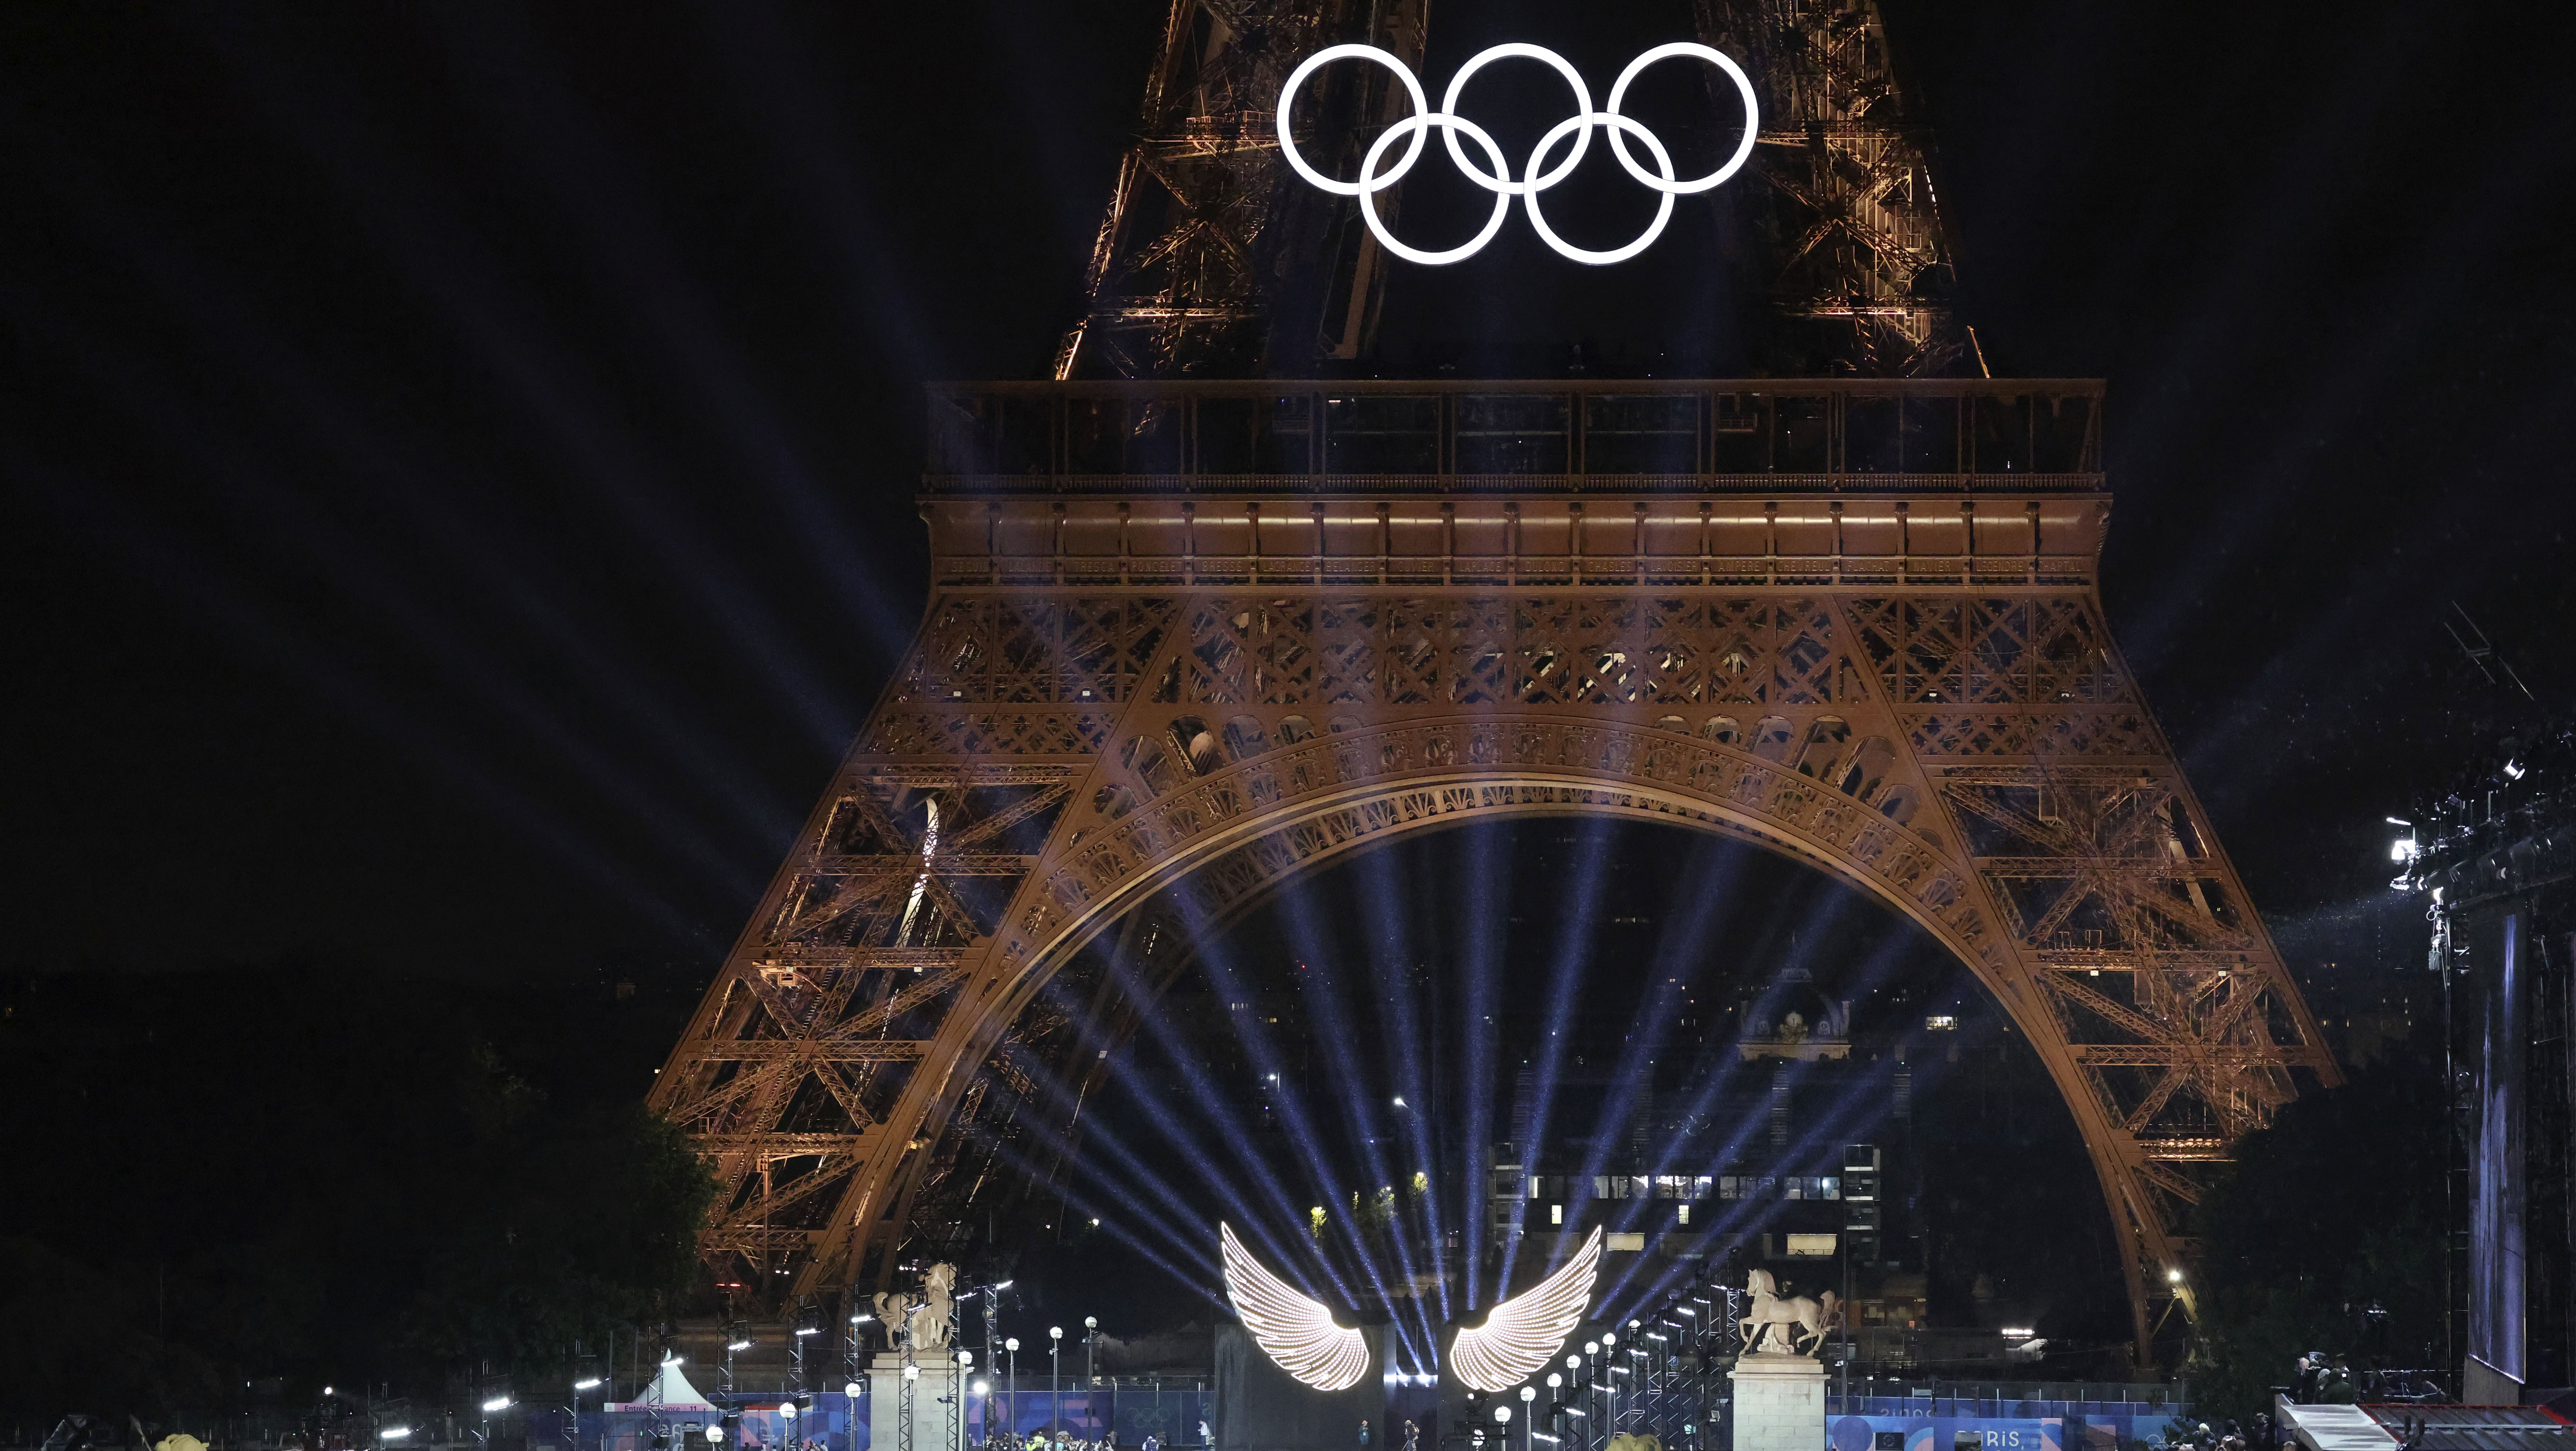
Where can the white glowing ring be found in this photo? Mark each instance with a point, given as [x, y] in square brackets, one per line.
[1315, 62]
[1536, 177]
[1582, 109]
[1743, 89]
[1369, 186]
[1663, 209]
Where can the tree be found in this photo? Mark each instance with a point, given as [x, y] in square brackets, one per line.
[2336, 1207]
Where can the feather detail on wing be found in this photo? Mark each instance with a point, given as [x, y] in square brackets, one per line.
[1295, 1331]
[1522, 1334]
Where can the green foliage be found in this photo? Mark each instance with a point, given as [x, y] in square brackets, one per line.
[2338, 1205]
[250, 1175]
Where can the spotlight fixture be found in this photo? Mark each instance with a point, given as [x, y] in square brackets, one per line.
[591, 1384]
[2174, 1275]
[497, 1403]
[983, 1388]
[1521, 1333]
[1296, 1332]
[394, 1433]
[861, 1319]
[854, 1390]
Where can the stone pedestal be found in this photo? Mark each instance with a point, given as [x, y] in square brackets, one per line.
[1779, 1403]
[937, 1403]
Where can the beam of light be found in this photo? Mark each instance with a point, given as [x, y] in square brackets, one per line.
[1565, 981]
[1680, 950]
[1524, 1332]
[577, 169]
[1385, 900]
[396, 471]
[774, 79]
[365, 575]
[1291, 1329]
[1266, 1060]
[1207, 1107]
[546, 385]
[1863, 1099]
[166, 562]
[1486, 889]
[1216, 964]
[1322, 986]
[1110, 1220]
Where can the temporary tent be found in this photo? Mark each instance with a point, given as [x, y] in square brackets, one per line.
[670, 1391]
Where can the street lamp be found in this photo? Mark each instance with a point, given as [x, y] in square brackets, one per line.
[1529, 1415]
[1090, 1368]
[1011, 1384]
[1055, 1380]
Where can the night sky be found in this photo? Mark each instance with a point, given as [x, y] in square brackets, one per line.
[458, 462]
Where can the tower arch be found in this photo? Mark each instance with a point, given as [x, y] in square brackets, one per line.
[1096, 717]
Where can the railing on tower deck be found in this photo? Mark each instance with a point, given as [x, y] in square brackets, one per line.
[1645, 435]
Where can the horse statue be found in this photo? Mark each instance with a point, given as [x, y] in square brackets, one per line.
[1771, 1311]
[921, 1321]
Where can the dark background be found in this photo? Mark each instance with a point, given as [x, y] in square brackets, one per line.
[459, 460]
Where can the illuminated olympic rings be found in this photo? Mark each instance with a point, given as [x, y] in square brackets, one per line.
[1536, 175]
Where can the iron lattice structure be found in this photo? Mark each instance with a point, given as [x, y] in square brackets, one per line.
[1207, 262]
[1861, 265]
[1190, 638]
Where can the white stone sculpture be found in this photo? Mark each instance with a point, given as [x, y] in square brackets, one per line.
[921, 1322]
[1771, 1310]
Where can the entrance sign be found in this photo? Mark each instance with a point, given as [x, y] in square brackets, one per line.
[1536, 174]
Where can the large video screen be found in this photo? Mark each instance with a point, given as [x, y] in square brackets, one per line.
[2497, 953]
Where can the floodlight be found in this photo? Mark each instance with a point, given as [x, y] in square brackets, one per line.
[497, 1403]
[591, 1384]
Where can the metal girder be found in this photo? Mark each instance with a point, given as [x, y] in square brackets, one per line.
[1182, 278]
[1855, 236]
[2069, 868]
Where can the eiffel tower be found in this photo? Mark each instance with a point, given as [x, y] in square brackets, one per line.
[1201, 621]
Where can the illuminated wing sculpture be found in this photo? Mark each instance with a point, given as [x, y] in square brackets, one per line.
[1522, 1333]
[1297, 1332]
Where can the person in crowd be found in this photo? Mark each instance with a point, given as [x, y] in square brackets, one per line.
[2338, 1389]
[1412, 1437]
[1364, 1436]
